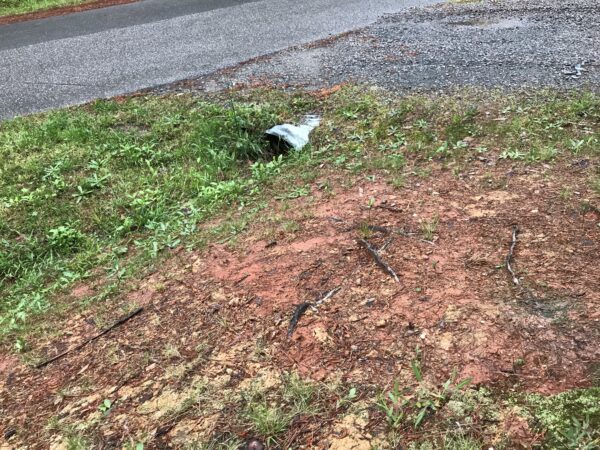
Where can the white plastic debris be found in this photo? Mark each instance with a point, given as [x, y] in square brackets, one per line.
[575, 72]
[294, 136]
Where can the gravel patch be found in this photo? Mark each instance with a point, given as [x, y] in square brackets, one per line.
[506, 44]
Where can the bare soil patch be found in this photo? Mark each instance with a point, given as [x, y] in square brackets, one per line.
[220, 317]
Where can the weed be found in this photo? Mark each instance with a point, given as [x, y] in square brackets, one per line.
[269, 414]
[105, 407]
[64, 239]
[133, 445]
[513, 154]
[10, 7]
[393, 404]
[298, 394]
[570, 419]
[575, 145]
[171, 351]
[461, 126]
[566, 193]
[450, 441]
[290, 226]
[347, 398]
[301, 191]
[77, 442]
[398, 182]
[365, 231]
[268, 420]
[595, 184]
[429, 228]
[430, 400]
[422, 172]
[579, 435]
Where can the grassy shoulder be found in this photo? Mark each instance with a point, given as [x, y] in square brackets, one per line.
[107, 188]
[104, 192]
[16, 7]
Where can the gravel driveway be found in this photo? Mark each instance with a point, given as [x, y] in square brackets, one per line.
[507, 43]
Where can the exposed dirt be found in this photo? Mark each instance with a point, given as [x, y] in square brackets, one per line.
[61, 11]
[220, 317]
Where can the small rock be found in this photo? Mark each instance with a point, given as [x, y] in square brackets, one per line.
[381, 323]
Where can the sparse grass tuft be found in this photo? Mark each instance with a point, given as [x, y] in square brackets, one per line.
[267, 420]
[429, 228]
[270, 413]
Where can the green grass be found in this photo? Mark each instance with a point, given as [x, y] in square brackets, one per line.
[104, 187]
[11, 7]
[101, 192]
[269, 414]
[570, 420]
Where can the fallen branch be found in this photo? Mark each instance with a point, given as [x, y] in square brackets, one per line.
[380, 262]
[93, 338]
[510, 255]
[298, 312]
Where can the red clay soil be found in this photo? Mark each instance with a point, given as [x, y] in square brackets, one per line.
[61, 11]
[224, 312]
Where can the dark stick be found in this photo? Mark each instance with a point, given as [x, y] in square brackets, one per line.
[380, 262]
[298, 312]
[510, 255]
[93, 338]
[385, 244]
[390, 208]
[302, 307]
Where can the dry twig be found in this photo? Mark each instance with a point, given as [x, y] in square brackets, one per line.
[93, 338]
[510, 255]
[380, 262]
[327, 296]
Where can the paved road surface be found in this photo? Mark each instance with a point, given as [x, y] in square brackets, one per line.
[72, 59]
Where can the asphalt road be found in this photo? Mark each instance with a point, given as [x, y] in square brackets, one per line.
[72, 59]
